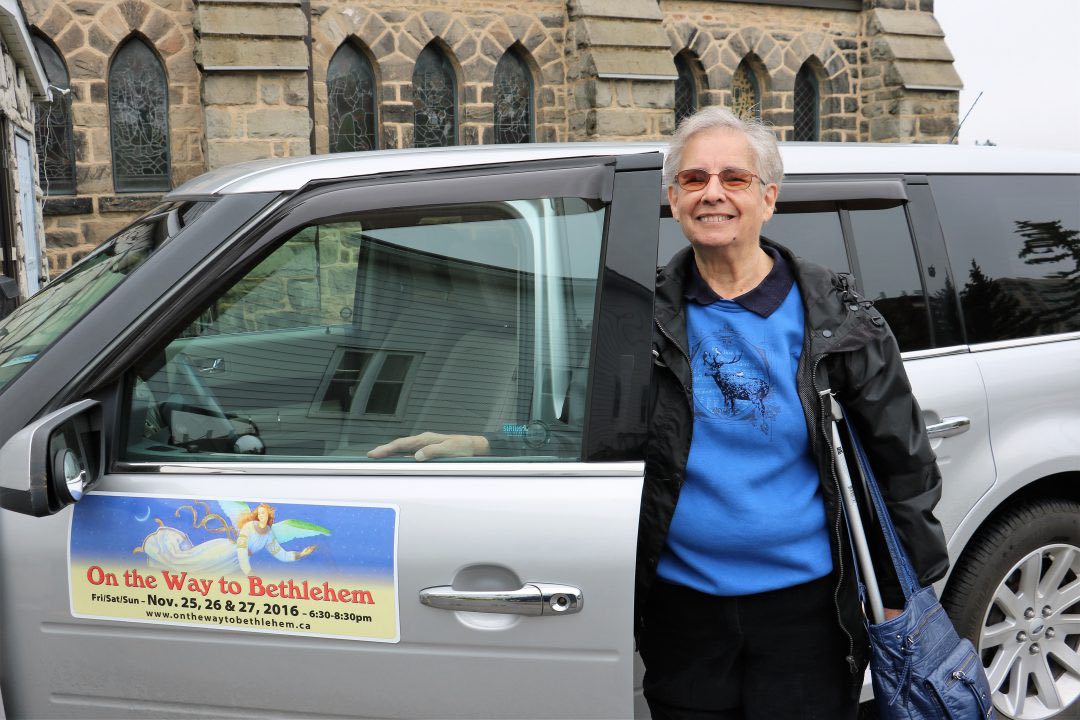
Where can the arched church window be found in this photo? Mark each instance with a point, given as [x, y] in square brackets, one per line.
[52, 126]
[434, 100]
[686, 94]
[513, 100]
[807, 101]
[745, 92]
[139, 119]
[350, 97]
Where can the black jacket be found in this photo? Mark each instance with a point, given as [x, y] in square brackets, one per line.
[848, 347]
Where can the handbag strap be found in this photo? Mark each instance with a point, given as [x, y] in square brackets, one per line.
[905, 572]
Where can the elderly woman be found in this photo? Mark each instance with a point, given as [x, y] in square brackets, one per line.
[747, 602]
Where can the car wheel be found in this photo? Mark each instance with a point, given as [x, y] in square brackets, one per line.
[1016, 594]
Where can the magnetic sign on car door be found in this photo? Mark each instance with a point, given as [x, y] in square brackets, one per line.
[252, 565]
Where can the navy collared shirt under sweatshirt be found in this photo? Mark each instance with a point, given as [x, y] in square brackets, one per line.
[750, 516]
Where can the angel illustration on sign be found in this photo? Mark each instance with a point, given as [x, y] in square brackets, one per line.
[246, 532]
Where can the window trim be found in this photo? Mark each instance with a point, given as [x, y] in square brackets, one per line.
[797, 191]
[1023, 342]
[466, 468]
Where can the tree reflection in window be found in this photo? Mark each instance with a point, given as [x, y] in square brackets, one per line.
[52, 126]
[745, 92]
[139, 119]
[350, 90]
[1021, 258]
[806, 105]
[686, 96]
[434, 100]
[513, 100]
[1051, 244]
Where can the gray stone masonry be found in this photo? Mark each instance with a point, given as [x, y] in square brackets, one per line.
[915, 98]
[621, 70]
[254, 96]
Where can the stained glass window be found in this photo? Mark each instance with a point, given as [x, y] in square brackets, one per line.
[350, 90]
[807, 125]
[513, 100]
[52, 126]
[745, 93]
[434, 100]
[139, 119]
[686, 96]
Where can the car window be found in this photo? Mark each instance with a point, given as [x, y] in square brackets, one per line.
[35, 325]
[889, 273]
[812, 234]
[1014, 244]
[473, 318]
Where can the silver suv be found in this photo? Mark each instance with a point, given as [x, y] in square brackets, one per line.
[218, 372]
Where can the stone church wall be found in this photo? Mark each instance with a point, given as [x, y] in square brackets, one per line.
[248, 78]
[88, 33]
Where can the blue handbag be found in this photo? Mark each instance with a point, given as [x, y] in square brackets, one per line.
[920, 667]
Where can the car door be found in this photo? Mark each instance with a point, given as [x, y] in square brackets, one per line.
[884, 230]
[244, 555]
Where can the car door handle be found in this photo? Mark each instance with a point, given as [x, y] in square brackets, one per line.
[948, 427]
[532, 599]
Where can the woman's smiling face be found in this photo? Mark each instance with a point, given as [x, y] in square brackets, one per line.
[714, 218]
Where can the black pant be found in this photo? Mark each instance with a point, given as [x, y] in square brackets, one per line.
[777, 655]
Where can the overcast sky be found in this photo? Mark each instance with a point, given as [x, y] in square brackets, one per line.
[1025, 59]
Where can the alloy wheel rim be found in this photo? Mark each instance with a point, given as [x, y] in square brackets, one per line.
[1031, 632]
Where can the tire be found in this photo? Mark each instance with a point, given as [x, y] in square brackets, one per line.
[1016, 594]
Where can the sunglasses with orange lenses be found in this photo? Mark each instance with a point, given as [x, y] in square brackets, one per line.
[730, 178]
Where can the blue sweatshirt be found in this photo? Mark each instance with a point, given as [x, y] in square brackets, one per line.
[750, 516]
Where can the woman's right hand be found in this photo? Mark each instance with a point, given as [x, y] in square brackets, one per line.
[432, 446]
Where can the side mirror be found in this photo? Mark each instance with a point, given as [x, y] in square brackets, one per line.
[9, 296]
[52, 462]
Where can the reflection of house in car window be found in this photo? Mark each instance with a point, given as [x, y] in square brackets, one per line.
[361, 382]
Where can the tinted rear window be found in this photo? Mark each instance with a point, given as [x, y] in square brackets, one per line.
[887, 271]
[1014, 245]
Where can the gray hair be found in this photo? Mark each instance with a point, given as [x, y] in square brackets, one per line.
[766, 154]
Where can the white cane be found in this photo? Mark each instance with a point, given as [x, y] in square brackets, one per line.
[847, 489]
